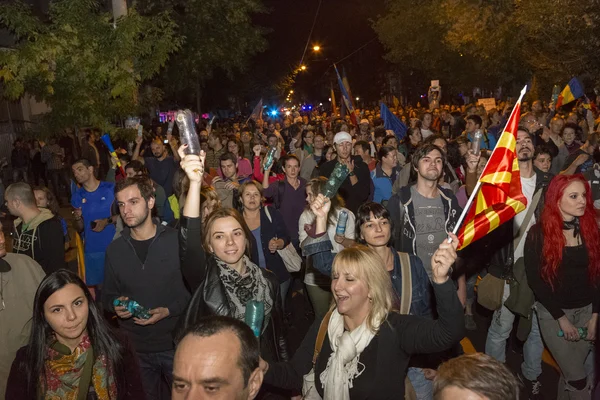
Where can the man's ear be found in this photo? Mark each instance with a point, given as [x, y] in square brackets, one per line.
[254, 383]
[151, 202]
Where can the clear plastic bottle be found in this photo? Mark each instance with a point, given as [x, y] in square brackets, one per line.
[340, 228]
[133, 307]
[476, 143]
[338, 176]
[254, 316]
[187, 132]
[269, 158]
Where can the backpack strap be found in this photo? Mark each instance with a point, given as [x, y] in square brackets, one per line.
[321, 336]
[268, 214]
[280, 191]
[406, 300]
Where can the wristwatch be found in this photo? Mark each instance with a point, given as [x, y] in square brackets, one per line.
[351, 173]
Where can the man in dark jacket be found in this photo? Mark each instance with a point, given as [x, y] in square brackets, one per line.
[37, 232]
[143, 265]
[356, 188]
[19, 160]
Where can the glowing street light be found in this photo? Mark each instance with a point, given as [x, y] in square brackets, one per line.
[303, 67]
[316, 48]
[291, 92]
[357, 99]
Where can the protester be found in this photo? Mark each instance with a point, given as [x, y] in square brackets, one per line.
[287, 193]
[244, 168]
[19, 278]
[137, 169]
[509, 244]
[209, 201]
[356, 188]
[569, 146]
[44, 198]
[475, 377]
[217, 355]
[563, 269]
[542, 159]
[143, 265]
[225, 279]
[37, 166]
[92, 214]
[363, 321]
[161, 166]
[269, 232]
[72, 350]
[385, 174]
[582, 160]
[36, 233]
[318, 285]
[19, 161]
[216, 150]
[363, 149]
[53, 156]
[227, 187]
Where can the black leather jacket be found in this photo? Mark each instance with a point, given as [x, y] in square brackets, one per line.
[200, 272]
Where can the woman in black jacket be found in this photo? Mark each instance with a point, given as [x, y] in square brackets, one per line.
[367, 344]
[223, 281]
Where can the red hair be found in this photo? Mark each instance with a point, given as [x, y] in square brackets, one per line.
[552, 229]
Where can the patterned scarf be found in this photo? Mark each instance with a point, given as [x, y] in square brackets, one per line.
[572, 225]
[242, 288]
[65, 373]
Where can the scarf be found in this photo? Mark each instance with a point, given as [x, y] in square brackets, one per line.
[574, 225]
[343, 365]
[242, 288]
[69, 375]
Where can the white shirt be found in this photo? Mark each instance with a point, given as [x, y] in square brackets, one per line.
[528, 187]
[425, 133]
[308, 217]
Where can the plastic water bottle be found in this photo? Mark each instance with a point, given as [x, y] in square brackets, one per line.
[582, 333]
[140, 132]
[555, 93]
[170, 127]
[254, 316]
[340, 229]
[338, 176]
[133, 307]
[269, 158]
[476, 143]
[187, 132]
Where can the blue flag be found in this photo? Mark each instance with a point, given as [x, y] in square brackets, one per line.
[393, 123]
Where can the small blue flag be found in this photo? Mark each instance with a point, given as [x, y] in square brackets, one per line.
[393, 123]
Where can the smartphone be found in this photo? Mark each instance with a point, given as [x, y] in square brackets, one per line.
[165, 141]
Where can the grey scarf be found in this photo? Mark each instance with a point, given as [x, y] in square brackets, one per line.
[242, 288]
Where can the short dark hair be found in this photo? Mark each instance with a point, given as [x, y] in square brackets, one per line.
[364, 144]
[387, 139]
[289, 157]
[434, 137]
[478, 373]
[249, 349]
[86, 163]
[476, 119]
[21, 191]
[364, 215]
[384, 151]
[137, 166]
[228, 156]
[143, 183]
[423, 150]
[379, 132]
[541, 149]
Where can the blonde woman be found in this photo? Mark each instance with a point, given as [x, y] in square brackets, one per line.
[365, 338]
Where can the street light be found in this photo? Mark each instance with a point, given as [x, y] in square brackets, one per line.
[303, 67]
[316, 48]
[357, 99]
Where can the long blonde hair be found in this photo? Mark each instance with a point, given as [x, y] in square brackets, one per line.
[366, 265]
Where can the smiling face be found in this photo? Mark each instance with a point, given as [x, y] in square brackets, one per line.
[227, 240]
[376, 231]
[66, 311]
[350, 293]
[573, 201]
[568, 136]
[391, 160]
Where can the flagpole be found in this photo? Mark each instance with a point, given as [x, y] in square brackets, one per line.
[478, 186]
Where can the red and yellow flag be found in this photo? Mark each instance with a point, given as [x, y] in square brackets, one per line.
[500, 196]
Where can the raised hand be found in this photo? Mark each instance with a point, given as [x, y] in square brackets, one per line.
[443, 258]
[320, 206]
[192, 164]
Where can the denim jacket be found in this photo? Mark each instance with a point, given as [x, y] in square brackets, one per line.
[322, 258]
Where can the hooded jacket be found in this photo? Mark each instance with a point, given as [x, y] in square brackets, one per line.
[42, 239]
[402, 213]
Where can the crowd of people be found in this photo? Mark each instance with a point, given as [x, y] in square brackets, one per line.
[177, 245]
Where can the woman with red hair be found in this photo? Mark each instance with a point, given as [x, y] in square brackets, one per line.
[562, 258]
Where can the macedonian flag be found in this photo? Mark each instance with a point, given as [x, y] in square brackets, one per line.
[500, 196]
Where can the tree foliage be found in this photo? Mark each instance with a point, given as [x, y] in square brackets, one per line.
[86, 69]
[494, 42]
[217, 35]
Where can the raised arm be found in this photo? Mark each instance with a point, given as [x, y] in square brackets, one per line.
[136, 151]
[191, 252]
